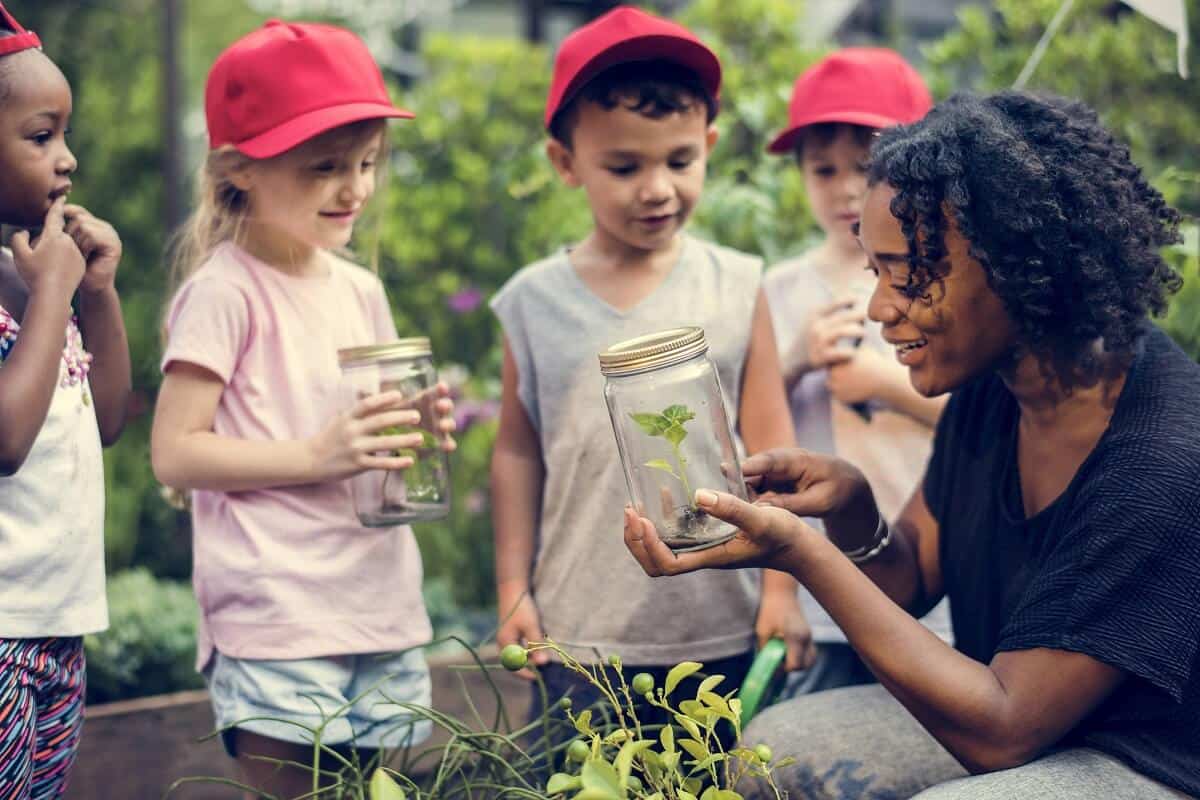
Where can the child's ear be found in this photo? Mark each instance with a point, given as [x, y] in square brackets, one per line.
[710, 138]
[242, 178]
[563, 160]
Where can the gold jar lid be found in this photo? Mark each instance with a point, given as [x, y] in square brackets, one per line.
[415, 347]
[653, 351]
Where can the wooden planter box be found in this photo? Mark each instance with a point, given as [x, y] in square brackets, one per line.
[135, 749]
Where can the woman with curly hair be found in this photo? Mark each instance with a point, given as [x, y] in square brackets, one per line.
[1016, 247]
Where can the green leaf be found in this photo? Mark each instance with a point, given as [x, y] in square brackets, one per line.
[678, 673]
[690, 726]
[583, 723]
[684, 794]
[678, 413]
[617, 736]
[667, 737]
[663, 464]
[735, 708]
[709, 683]
[675, 434]
[704, 764]
[652, 424]
[694, 749]
[713, 793]
[715, 702]
[562, 782]
[624, 760]
[384, 787]
[600, 776]
[597, 794]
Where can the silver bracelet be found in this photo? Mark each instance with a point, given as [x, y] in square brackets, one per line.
[883, 537]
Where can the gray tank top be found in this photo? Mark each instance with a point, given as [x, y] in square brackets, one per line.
[591, 593]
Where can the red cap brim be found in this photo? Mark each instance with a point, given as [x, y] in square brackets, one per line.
[296, 131]
[786, 141]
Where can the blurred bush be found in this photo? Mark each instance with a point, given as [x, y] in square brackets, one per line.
[150, 645]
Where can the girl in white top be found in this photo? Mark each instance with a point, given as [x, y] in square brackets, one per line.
[64, 385]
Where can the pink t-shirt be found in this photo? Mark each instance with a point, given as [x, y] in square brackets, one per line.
[289, 572]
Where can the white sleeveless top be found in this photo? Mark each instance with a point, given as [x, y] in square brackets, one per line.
[52, 510]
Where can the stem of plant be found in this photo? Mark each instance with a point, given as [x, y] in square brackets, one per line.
[681, 462]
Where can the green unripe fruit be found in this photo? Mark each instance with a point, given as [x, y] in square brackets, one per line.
[565, 703]
[763, 753]
[578, 751]
[514, 657]
[642, 684]
[614, 661]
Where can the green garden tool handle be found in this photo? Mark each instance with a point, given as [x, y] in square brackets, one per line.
[764, 679]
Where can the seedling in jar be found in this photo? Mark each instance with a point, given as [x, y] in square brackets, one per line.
[421, 487]
[669, 425]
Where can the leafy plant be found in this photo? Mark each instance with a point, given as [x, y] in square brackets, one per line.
[669, 425]
[420, 479]
[150, 645]
[612, 755]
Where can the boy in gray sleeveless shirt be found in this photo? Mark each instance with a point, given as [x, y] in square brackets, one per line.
[630, 119]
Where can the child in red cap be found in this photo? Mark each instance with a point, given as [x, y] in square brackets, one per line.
[62, 396]
[848, 394]
[630, 117]
[302, 609]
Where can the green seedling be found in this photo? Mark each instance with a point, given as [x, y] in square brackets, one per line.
[669, 425]
[421, 485]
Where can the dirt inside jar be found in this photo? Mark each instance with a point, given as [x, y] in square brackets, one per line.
[690, 528]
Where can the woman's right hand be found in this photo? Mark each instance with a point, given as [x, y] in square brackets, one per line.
[53, 261]
[354, 441]
[833, 324]
[811, 485]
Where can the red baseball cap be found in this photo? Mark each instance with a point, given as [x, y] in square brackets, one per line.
[21, 38]
[285, 83]
[622, 35]
[870, 86]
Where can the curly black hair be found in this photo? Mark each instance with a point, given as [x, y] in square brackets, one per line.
[651, 88]
[1063, 222]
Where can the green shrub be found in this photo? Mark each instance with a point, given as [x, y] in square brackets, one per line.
[150, 645]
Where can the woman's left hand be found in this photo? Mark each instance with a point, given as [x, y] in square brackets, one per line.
[446, 425]
[768, 536]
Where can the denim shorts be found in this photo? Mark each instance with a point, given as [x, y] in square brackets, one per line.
[353, 697]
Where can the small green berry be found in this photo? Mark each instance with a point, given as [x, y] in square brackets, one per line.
[614, 661]
[642, 684]
[514, 657]
[578, 751]
[565, 704]
[763, 753]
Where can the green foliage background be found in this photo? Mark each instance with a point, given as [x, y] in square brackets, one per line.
[471, 198]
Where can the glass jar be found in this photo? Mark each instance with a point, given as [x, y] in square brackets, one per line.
[383, 498]
[664, 400]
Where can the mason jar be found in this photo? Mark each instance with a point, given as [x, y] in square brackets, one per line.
[664, 399]
[383, 498]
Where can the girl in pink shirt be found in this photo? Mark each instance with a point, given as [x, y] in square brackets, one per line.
[302, 609]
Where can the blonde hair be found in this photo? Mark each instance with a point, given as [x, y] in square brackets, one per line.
[219, 216]
[222, 208]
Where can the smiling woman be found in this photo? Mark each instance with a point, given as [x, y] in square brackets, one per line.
[1016, 251]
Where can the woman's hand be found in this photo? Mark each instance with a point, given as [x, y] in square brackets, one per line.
[768, 536]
